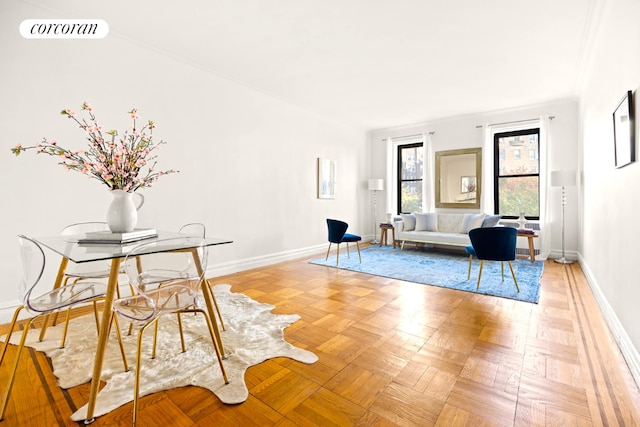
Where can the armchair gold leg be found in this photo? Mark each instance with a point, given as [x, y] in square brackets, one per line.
[469, 272]
[7, 338]
[136, 384]
[359, 257]
[338, 254]
[66, 328]
[184, 347]
[514, 276]
[480, 273]
[12, 376]
[328, 250]
[155, 338]
[114, 319]
[502, 266]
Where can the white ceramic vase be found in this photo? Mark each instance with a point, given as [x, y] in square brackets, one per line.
[522, 221]
[122, 214]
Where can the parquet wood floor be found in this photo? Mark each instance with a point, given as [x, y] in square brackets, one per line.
[393, 353]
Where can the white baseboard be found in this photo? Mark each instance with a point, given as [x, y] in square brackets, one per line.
[260, 261]
[7, 309]
[572, 255]
[628, 350]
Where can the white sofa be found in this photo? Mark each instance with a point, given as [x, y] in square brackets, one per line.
[451, 229]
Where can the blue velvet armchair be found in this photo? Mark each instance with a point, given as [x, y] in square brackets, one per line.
[493, 244]
[338, 234]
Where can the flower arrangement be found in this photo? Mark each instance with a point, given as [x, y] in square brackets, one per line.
[118, 162]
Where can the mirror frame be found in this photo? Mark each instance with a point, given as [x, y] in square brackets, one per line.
[438, 178]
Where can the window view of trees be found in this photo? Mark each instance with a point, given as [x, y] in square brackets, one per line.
[410, 172]
[517, 176]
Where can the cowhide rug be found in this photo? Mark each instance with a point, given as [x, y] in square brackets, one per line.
[253, 334]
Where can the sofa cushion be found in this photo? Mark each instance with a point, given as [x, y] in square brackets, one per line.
[450, 222]
[435, 237]
[471, 221]
[491, 220]
[426, 222]
[409, 221]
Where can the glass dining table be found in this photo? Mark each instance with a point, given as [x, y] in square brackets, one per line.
[71, 250]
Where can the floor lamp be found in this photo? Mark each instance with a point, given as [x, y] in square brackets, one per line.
[375, 185]
[563, 179]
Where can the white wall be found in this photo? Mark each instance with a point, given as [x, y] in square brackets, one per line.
[247, 161]
[610, 198]
[468, 132]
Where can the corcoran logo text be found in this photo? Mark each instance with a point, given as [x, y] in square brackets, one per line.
[64, 29]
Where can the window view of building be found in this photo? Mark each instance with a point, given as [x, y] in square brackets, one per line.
[410, 172]
[517, 173]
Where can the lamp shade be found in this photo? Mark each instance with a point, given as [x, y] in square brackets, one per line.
[563, 178]
[376, 184]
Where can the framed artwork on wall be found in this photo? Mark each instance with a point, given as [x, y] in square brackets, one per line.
[326, 178]
[624, 132]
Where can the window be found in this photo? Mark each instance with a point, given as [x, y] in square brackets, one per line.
[517, 177]
[410, 171]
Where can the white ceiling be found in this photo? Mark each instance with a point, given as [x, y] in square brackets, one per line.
[369, 63]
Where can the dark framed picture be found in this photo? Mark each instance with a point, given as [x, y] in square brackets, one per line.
[624, 132]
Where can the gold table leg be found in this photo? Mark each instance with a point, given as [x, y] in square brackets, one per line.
[208, 299]
[103, 338]
[532, 254]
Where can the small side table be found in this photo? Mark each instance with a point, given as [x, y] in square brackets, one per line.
[384, 227]
[530, 237]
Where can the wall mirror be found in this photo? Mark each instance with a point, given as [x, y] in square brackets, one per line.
[458, 178]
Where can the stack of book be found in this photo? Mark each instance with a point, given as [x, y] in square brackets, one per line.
[525, 231]
[107, 237]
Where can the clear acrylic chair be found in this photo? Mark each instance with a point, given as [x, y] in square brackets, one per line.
[92, 270]
[62, 298]
[98, 270]
[166, 281]
[197, 229]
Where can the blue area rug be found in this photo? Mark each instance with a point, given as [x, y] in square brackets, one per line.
[443, 269]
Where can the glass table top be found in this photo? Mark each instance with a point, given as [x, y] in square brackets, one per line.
[68, 246]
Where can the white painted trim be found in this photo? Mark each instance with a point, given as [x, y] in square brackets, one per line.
[628, 350]
[6, 310]
[260, 261]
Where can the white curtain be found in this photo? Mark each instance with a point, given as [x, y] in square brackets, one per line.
[428, 179]
[486, 200]
[545, 205]
[391, 180]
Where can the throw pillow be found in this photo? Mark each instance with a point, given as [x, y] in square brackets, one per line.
[471, 221]
[409, 221]
[491, 220]
[426, 222]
